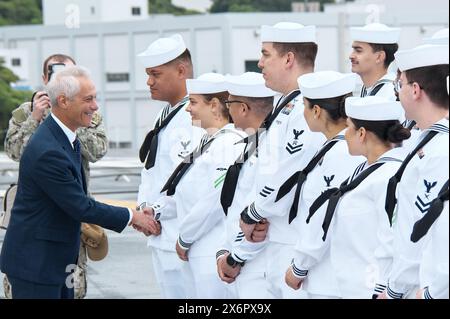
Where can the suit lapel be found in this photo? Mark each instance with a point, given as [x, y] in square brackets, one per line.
[62, 139]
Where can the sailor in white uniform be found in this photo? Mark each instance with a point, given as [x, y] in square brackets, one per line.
[355, 228]
[250, 103]
[288, 51]
[439, 38]
[324, 95]
[192, 193]
[425, 170]
[374, 46]
[171, 139]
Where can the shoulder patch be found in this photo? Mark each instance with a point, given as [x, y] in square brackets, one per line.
[19, 115]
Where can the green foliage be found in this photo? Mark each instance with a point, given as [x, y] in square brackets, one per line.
[256, 5]
[14, 12]
[166, 6]
[9, 98]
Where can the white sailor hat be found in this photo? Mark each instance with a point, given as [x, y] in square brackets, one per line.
[249, 84]
[208, 83]
[375, 33]
[422, 56]
[326, 84]
[162, 51]
[440, 37]
[288, 32]
[373, 108]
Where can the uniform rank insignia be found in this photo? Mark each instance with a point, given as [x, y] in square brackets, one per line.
[328, 180]
[295, 146]
[288, 109]
[424, 203]
[185, 151]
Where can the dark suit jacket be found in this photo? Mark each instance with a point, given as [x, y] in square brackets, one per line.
[43, 236]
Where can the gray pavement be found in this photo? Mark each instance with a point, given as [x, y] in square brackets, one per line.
[127, 271]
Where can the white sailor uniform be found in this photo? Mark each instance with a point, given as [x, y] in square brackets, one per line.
[288, 146]
[384, 87]
[334, 168]
[422, 179]
[359, 238]
[176, 141]
[197, 207]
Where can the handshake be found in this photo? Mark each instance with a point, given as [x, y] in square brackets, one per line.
[144, 221]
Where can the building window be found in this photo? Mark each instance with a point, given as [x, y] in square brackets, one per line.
[120, 145]
[16, 62]
[252, 66]
[117, 77]
[136, 11]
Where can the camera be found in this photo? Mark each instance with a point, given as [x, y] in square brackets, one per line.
[54, 68]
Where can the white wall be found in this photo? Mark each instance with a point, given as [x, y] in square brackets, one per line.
[22, 71]
[120, 10]
[74, 13]
[71, 12]
[208, 50]
[35, 65]
[245, 45]
[117, 60]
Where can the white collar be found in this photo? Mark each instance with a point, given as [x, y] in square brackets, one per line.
[71, 136]
[183, 101]
[387, 78]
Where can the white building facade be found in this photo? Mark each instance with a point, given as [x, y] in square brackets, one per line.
[73, 13]
[17, 61]
[225, 43]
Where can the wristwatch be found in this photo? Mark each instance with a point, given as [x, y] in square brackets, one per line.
[234, 263]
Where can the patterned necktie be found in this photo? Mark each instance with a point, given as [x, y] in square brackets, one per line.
[77, 149]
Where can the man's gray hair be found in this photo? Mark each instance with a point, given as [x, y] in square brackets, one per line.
[66, 82]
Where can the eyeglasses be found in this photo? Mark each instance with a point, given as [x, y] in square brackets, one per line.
[228, 103]
[398, 85]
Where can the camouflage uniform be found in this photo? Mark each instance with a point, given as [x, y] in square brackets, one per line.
[94, 145]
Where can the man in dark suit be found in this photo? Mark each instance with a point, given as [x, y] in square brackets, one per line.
[41, 244]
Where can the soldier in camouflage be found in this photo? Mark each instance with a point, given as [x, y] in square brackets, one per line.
[26, 119]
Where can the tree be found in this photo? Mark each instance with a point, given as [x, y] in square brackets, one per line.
[166, 6]
[9, 98]
[256, 5]
[14, 12]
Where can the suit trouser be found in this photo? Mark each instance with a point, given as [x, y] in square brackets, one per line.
[167, 269]
[23, 289]
[79, 277]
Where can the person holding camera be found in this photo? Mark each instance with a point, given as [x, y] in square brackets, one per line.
[94, 145]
